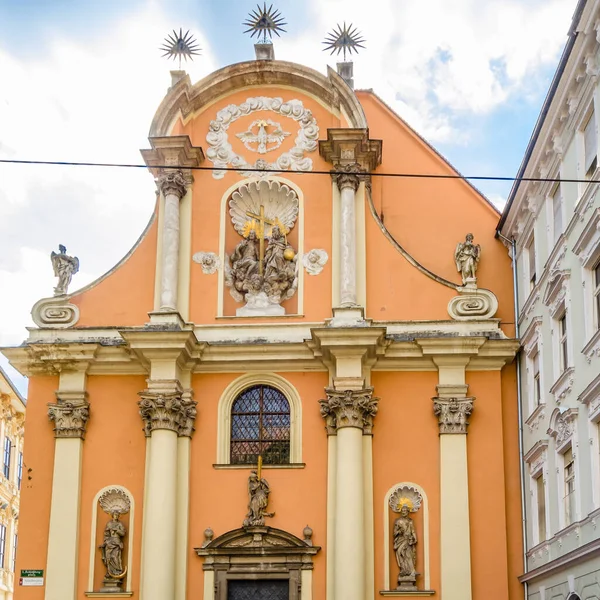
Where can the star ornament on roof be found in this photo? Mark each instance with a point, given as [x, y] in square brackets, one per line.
[264, 21]
[346, 40]
[179, 45]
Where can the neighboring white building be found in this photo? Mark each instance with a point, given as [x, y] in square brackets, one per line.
[12, 418]
[556, 230]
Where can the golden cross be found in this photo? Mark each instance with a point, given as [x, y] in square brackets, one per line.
[260, 217]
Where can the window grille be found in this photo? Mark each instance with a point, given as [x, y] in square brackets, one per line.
[267, 589]
[260, 426]
[6, 461]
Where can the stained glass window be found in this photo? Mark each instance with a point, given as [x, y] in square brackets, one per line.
[260, 426]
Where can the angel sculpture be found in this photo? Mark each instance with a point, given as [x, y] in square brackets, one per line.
[65, 267]
[262, 138]
[467, 257]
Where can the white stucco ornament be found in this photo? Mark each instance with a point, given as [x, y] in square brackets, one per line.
[209, 262]
[262, 133]
[315, 261]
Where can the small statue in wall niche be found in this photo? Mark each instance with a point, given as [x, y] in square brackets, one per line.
[466, 256]
[65, 267]
[112, 548]
[405, 542]
[258, 490]
[115, 503]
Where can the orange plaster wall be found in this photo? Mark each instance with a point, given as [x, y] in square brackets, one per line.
[428, 217]
[125, 296]
[207, 205]
[493, 473]
[406, 448]
[218, 498]
[114, 453]
[36, 489]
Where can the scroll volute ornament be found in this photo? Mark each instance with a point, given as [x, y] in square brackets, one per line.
[70, 418]
[348, 176]
[173, 410]
[349, 408]
[173, 182]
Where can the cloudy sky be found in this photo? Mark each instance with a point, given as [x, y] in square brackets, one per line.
[80, 81]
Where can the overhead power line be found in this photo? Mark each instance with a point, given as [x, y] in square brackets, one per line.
[332, 172]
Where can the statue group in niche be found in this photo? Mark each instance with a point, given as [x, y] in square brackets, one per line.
[275, 274]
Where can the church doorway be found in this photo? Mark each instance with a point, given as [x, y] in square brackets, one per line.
[266, 589]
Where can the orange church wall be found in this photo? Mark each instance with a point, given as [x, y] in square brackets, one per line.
[428, 217]
[126, 295]
[406, 448]
[114, 453]
[36, 489]
[207, 206]
[219, 497]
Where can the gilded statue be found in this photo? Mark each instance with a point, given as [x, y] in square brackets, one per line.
[65, 267]
[466, 256]
[405, 541]
[112, 549]
[258, 491]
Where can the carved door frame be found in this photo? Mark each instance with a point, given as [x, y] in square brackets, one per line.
[257, 553]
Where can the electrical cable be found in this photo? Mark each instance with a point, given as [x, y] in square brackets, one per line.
[317, 172]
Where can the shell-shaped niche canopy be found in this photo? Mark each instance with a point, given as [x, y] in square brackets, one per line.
[277, 202]
[406, 495]
[115, 500]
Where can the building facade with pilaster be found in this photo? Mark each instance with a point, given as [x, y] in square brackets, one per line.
[555, 226]
[299, 384]
[12, 419]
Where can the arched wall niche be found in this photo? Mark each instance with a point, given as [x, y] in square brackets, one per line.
[99, 520]
[228, 238]
[232, 391]
[184, 99]
[421, 519]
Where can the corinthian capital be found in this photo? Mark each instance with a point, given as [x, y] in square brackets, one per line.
[70, 418]
[166, 406]
[453, 413]
[349, 409]
[173, 182]
[348, 176]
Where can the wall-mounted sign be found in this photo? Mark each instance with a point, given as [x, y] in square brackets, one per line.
[31, 577]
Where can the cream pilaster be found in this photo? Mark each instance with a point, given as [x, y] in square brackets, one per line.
[70, 416]
[168, 413]
[453, 408]
[170, 161]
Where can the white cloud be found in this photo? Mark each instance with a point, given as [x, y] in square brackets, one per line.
[88, 102]
[432, 61]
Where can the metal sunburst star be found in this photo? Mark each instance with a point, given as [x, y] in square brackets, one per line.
[177, 45]
[264, 21]
[346, 39]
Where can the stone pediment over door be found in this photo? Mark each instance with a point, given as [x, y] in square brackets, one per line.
[258, 554]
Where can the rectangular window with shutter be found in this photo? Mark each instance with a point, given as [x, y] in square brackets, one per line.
[531, 260]
[597, 296]
[569, 499]
[541, 508]
[537, 384]
[563, 343]
[557, 212]
[590, 147]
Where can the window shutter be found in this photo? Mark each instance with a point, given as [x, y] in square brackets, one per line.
[590, 145]
[557, 212]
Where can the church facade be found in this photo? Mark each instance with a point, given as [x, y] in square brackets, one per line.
[298, 384]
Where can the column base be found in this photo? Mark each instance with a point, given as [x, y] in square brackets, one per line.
[166, 317]
[348, 316]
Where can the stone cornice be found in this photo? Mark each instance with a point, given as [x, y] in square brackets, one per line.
[349, 408]
[173, 152]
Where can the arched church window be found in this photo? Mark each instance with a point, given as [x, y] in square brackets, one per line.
[260, 426]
